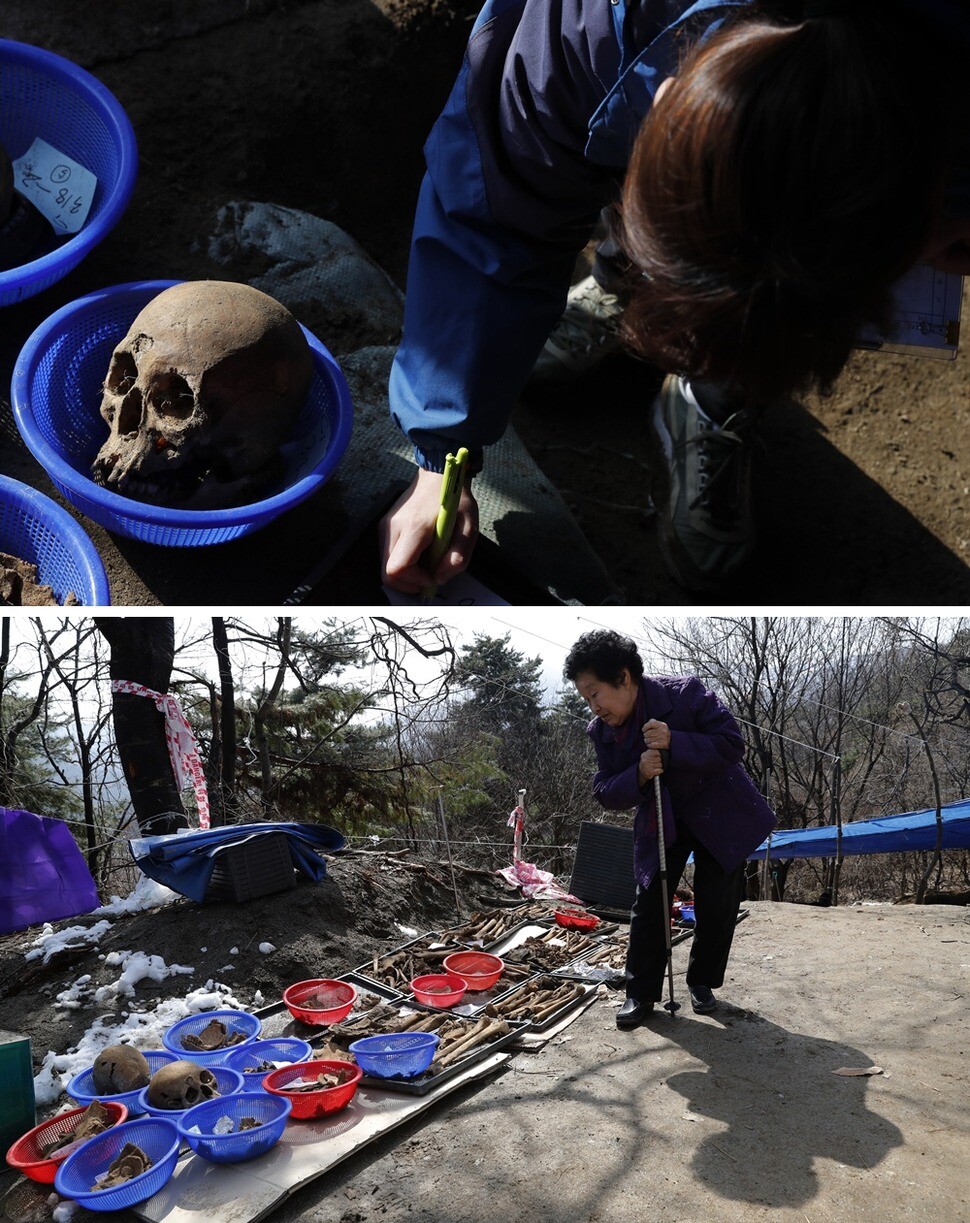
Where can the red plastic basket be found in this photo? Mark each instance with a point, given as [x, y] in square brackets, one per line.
[440, 989]
[27, 1153]
[310, 1104]
[478, 969]
[576, 919]
[339, 997]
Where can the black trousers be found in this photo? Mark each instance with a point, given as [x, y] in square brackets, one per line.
[717, 898]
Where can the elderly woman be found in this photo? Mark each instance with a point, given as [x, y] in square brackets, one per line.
[645, 727]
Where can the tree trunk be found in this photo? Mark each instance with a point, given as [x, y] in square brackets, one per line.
[143, 652]
[227, 723]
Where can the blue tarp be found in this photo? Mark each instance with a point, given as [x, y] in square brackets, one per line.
[911, 830]
[184, 861]
[43, 874]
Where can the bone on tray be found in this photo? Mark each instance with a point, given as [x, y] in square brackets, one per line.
[537, 1000]
[457, 1036]
[493, 923]
[550, 950]
[399, 968]
[610, 955]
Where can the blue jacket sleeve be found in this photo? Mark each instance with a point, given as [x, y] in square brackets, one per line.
[507, 203]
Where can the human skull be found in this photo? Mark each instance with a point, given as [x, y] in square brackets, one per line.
[200, 395]
[180, 1085]
[120, 1068]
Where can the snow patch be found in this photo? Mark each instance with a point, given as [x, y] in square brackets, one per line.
[47, 943]
[136, 966]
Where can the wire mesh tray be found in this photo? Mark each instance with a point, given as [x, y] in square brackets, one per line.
[430, 941]
[579, 943]
[548, 981]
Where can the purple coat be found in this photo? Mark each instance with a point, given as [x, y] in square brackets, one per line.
[704, 781]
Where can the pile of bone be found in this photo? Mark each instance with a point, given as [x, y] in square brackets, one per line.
[550, 950]
[94, 1120]
[538, 1000]
[215, 1035]
[131, 1162]
[20, 587]
[323, 1081]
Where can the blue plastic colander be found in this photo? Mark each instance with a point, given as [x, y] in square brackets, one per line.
[281, 1049]
[81, 1087]
[396, 1055]
[192, 1025]
[45, 95]
[271, 1112]
[158, 1139]
[36, 529]
[56, 397]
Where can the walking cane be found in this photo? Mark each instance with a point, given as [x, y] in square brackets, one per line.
[670, 1005]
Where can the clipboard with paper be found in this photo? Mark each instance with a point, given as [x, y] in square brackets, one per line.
[926, 315]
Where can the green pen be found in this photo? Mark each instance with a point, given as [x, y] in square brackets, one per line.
[444, 526]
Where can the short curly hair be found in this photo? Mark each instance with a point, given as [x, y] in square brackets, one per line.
[606, 653]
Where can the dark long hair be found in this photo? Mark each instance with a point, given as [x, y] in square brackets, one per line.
[791, 172]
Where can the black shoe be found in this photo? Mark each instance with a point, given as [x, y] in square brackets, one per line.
[701, 999]
[632, 1012]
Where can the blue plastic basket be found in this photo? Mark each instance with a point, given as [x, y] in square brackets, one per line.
[36, 529]
[271, 1112]
[192, 1025]
[158, 1139]
[396, 1055]
[228, 1082]
[45, 95]
[282, 1049]
[81, 1087]
[56, 397]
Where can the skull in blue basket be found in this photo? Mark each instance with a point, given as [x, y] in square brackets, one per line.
[200, 395]
[179, 1085]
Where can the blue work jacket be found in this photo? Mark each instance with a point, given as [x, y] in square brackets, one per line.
[532, 144]
[704, 786]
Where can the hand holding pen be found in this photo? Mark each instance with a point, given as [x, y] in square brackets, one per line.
[408, 531]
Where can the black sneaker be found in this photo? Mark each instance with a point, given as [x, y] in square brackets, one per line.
[701, 487]
[702, 999]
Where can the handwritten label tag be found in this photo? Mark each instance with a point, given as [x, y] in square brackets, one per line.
[57, 186]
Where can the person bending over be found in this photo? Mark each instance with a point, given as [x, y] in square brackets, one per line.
[673, 728]
[771, 168]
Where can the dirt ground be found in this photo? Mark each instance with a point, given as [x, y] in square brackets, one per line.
[323, 105]
[733, 1116]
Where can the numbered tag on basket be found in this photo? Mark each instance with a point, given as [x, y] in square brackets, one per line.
[57, 186]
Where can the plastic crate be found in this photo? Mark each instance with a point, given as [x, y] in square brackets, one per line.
[258, 867]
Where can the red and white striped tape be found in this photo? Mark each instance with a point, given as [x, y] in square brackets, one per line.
[183, 750]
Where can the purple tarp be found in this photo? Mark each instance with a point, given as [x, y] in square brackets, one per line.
[43, 875]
